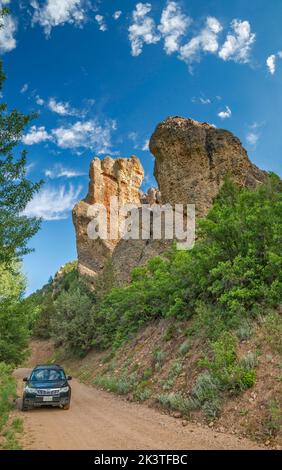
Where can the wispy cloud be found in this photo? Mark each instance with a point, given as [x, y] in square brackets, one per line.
[53, 203]
[201, 100]
[226, 114]
[61, 108]
[59, 171]
[253, 134]
[24, 88]
[252, 138]
[91, 134]
[36, 135]
[138, 143]
[86, 134]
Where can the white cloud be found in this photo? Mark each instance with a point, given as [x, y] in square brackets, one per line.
[238, 44]
[117, 14]
[145, 147]
[271, 63]
[173, 26]
[205, 41]
[63, 109]
[85, 134]
[53, 203]
[58, 12]
[24, 88]
[40, 101]
[225, 114]
[36, 135]
[58, 171]
[143, 29]
[252, 138]
[8, 29]
[101, 22]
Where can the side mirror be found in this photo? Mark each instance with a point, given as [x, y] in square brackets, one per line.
[25, 379]
[69, 377]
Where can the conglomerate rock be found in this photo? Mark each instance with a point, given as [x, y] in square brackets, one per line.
[192, 160]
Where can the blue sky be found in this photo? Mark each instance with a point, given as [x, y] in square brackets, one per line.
[102, 74]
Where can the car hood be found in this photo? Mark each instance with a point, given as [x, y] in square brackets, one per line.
[49, 384]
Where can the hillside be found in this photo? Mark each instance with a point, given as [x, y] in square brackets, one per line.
[196, 333]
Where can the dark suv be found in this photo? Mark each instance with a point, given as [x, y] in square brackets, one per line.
[47, 385]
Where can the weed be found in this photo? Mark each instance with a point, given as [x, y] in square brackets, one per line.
[273, 423]
[273, 329]
[175, 401]
[184, 347]
[244, 332]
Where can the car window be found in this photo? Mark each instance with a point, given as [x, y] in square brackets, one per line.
[40, 375]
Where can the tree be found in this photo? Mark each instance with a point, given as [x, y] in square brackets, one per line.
[15, 189]
[15, 315]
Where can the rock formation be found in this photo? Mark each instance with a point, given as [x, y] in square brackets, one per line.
[120, 178]
[192, 160]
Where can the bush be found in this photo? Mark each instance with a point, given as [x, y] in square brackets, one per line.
[175, 402]
[121, 384]
[273, 329]
[206, 394]
[231, 374]
[184, 348]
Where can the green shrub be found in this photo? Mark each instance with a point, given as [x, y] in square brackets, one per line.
[7, 392]
[273, 423]
[121, 384]
[244, 331]
[158, 358]
[273, 329]
[175, 402]
[206, 394]
[184, 347]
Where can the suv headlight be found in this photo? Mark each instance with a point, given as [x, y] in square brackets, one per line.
[30, 389]
[64, 389]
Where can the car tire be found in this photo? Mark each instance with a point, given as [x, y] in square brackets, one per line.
[66, 407]
[24, 407]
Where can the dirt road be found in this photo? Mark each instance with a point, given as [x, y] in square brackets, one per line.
[100, 420]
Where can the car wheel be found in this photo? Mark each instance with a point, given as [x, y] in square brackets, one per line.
[66, 407]
[24, 406]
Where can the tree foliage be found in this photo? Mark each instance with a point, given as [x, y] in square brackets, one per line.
[15, 189]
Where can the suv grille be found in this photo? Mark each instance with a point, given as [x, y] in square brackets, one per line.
[48, 391]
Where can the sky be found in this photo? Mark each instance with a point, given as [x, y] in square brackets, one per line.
[102, 74]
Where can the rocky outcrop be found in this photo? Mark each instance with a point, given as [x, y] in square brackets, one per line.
[193, 159]
[110, 177]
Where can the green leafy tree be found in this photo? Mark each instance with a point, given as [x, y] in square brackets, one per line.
[15, 316]
[15, 189]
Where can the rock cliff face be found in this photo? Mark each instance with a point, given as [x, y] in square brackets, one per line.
[192, 160]
[120, 178]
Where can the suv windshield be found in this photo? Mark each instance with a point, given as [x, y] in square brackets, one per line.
[44, 375]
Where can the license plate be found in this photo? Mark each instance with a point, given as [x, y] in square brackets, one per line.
[47, 398]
